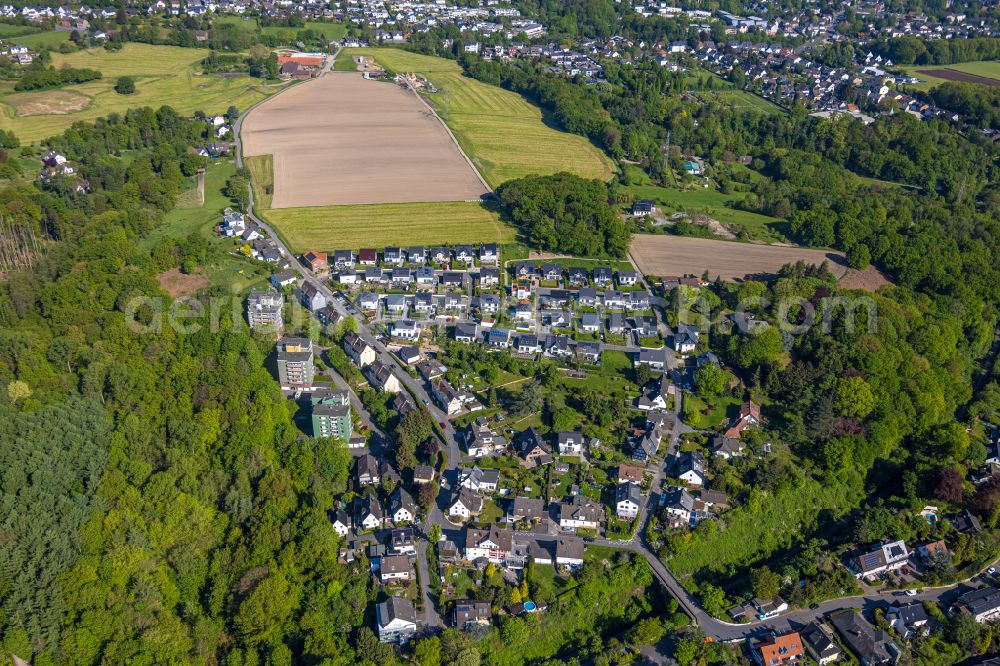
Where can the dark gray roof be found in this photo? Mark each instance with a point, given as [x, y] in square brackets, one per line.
[396, 608]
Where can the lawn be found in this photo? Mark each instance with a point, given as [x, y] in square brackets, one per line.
[505, 136]
[165, 75]
[707, 201]
[741, 99]
[350, 227]
[717, 410]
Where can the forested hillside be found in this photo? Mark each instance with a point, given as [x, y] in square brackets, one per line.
[190, 522]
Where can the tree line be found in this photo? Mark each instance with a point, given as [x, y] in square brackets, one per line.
[51, 77]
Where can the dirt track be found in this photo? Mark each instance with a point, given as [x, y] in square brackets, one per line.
[681, 255]
[341, 139]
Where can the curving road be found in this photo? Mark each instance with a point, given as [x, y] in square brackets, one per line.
[713, 627]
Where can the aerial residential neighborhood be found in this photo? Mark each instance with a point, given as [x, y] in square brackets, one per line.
[500, 333]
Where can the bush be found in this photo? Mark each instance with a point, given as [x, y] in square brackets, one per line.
[125, 85]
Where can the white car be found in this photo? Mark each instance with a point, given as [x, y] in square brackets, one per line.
[991, 571]
[911, 593]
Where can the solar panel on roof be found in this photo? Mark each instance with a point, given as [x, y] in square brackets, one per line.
[870, 561]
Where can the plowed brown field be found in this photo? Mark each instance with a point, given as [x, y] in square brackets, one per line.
[340, 139]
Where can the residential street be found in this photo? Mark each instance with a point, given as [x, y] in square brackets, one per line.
[715, 628]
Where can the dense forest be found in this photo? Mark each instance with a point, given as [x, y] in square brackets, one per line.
[193, 522]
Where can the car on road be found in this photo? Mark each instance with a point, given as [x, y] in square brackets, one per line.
[444, 425]
[364, 427]
[992, 571]
[426, 402]
[911, 593]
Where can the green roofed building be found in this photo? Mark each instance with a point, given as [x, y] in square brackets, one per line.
[331, 415]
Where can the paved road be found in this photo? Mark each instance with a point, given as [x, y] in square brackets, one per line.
[711, 626]
[415, 387]
[431, 616]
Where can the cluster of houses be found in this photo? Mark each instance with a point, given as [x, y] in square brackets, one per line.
[254, 242]
[824, 640]
[780, 74]
[573, 512]
[396, 22]
[55, 163]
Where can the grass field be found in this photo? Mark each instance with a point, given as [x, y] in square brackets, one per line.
[37, 40]
[9, 30]
[331, 227]
[187, 216]
[708, 201]
[986, 68]
[262, 178]
[741, 99]
[505, 136]
[330, 30]
[165, 75]
[344, 63]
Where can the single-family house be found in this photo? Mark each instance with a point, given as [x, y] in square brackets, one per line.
[690, 466]
[392, 255]
[446, 396]
[533, 448]
[393, 567]
[778, 649]
[402, 508]
[367, 471]
[396, 620]
[569, 552]
[315, 261]
[527, 509]
[685, 339]
[982, 604]
[423, 474]
[580, 511]
[470, 613]
[819, 643]
[479, 480]
[465, 505]
[405, 329]
[358, 350]
[466, 332]
[883, 557]
[341, 522]
[570, 443]
[909, 619]
[628, 500]
[381, 378]
[654, 358]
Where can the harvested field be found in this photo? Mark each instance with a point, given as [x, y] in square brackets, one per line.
[504, 135]
[341, 139]
[50, 102]
[680, 255]
[955, 75]
[331, 227]
[179, 284]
